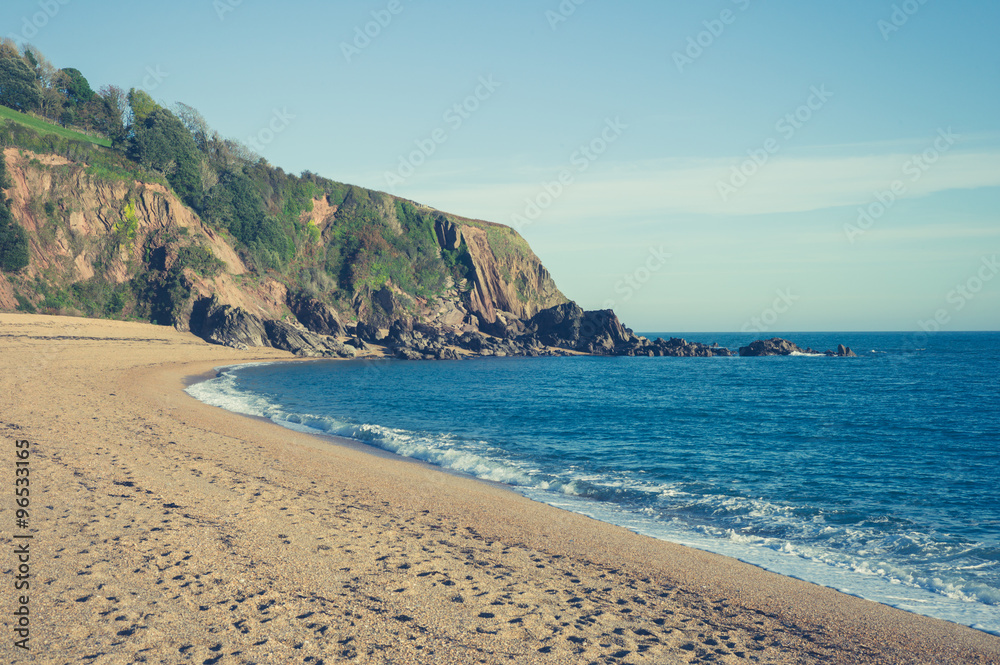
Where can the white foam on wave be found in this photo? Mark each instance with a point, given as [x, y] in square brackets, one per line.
[222, 392]
[444, 451]
[873, 581]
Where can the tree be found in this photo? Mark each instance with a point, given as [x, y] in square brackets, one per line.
[115, 117]
[14, 254]
[141, 104]
[195, 123]
[48, 80]
[8, 48]
[76, 87]
[163, 143]
[18, 87]
[14, 248]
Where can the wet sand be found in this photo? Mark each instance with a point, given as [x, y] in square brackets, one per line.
[168, 531]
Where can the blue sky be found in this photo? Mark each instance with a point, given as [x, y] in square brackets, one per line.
[717, 165]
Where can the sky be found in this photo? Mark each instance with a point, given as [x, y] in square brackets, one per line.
[719, 165]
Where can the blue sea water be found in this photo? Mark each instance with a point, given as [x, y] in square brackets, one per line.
[877, 475]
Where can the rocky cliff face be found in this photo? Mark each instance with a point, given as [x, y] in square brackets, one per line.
[510, 281]
[84, 227]
[110, 246]
[103, 245]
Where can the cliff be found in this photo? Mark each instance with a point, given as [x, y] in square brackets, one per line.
[115, 246]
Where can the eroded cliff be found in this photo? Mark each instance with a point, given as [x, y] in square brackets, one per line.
[102, 245]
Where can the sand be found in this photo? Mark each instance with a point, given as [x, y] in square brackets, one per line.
[168, 531]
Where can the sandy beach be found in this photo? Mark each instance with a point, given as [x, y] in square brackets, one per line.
[167, 531]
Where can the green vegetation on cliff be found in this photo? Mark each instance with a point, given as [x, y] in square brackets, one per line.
[364, 243]
[13, 239]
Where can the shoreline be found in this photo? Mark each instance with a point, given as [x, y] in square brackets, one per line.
[245, 539]
[825, 576]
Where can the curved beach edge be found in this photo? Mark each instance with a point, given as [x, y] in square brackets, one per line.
[175, 531]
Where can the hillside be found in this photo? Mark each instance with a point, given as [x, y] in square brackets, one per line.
[115, 206]
[108, 245]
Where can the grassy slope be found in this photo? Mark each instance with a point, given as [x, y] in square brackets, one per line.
[48, 128]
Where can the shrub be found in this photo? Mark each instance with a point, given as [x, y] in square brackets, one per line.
[199, 259]
[14, 248]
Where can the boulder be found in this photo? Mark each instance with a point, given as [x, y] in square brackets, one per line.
[404, 353]
[400, 333]
[303, 343]
[503, 328]
[772, 347]
[317, 316]
[366, 332]
[845, 352]
[681, 348]
[782, 347]
[449, 235]
[841, 352]
[358, 344]
[568, 326]
[234, 327]
[557, 326]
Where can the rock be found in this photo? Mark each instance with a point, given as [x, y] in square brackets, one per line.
[472, 341]
[316, 316]
[845, 352]
[449, 235]
[557, 325]
[503, 328]
[782, 347]
[358, 344]
[568, 326]
[366, 332]
[235, 327]
[303, 343]
[447, 354]
[404, 353]
[400, 333]
[681, 348]
[772, 347]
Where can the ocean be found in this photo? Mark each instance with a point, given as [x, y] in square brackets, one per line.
[878, 476]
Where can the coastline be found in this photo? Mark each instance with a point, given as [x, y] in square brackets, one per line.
[254, 542]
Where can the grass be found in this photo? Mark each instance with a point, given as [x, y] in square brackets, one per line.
[48, 128]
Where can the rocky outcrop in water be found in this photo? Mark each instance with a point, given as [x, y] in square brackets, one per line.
[782, 347]
[681, 348]
[843, 352]
[559, 330]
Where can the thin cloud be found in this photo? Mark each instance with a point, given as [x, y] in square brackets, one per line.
[785, 184]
